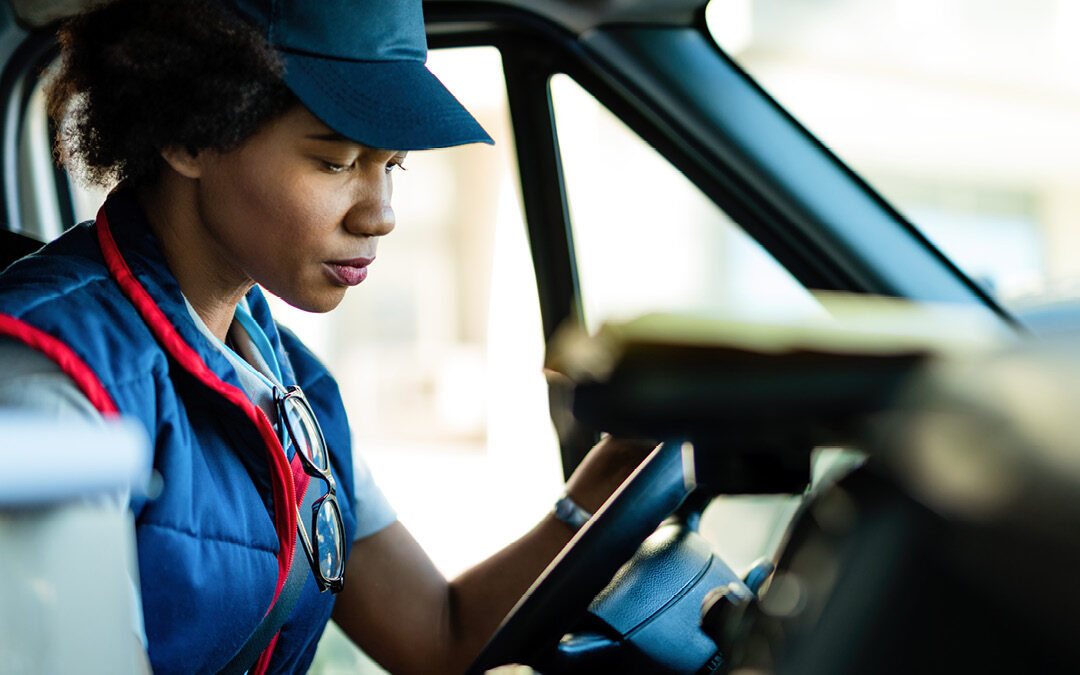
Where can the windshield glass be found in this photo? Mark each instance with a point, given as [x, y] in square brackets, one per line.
[962, 114]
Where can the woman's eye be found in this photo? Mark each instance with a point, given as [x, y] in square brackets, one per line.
[395, 164]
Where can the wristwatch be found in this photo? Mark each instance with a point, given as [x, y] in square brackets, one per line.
[568, 511]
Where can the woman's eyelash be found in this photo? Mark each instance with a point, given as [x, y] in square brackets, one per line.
[334, 167]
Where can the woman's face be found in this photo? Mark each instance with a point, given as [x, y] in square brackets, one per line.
[298, 209]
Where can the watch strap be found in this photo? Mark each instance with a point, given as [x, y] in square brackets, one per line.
[571, 513]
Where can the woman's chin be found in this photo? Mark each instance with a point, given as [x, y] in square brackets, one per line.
[316, 303]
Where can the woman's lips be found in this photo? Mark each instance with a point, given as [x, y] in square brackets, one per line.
[349, 272]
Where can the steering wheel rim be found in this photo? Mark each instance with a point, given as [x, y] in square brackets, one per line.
[587, 563]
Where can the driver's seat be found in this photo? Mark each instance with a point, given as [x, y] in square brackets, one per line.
[14, 246]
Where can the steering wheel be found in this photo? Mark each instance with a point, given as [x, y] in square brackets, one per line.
[565, 588]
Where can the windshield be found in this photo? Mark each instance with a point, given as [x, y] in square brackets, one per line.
[962, 114]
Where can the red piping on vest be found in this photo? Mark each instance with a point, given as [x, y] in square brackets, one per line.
[85, 379]
[282, 479]
[301, 482]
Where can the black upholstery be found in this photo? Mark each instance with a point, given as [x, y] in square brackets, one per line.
[14, 246]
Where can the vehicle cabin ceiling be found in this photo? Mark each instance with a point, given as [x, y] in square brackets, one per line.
[580, 16]
[577, 16]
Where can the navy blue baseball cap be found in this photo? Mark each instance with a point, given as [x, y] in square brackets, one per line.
[359, 66]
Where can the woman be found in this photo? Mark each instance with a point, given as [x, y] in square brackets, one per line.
[251, 143]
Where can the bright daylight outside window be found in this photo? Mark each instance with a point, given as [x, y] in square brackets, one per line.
[647, 240]
[963, 114]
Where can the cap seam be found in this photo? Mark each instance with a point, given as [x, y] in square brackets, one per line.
[271, 30]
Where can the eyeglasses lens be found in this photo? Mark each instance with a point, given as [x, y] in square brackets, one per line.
[306, 431]
[328, 531]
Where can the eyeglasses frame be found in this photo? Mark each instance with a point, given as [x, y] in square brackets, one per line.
[311, 544]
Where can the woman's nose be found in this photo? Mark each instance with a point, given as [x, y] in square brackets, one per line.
[371, 213]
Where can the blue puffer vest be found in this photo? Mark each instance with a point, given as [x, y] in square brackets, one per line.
[215, 546]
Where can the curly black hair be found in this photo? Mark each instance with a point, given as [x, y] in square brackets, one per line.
[137, 76]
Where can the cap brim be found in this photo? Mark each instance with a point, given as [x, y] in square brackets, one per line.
[397, 105]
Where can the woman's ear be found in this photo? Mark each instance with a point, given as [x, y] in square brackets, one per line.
[182, 161]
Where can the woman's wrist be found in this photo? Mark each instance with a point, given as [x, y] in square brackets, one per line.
[569, 512]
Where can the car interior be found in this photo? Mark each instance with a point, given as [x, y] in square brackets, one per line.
[636, 149]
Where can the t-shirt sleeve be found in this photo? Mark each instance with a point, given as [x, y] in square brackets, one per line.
[373, 510]
[34, 383]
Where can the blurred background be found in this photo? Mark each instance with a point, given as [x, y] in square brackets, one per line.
[963, 114]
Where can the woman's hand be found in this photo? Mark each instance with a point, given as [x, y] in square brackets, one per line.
[605, 468]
